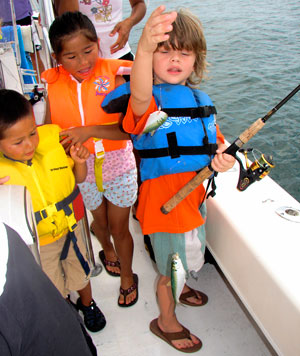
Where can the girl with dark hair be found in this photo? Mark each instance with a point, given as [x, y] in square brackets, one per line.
[76, 89]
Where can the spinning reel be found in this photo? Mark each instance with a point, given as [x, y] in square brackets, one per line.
[255, 171]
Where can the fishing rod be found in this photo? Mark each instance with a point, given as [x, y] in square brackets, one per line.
[232, 149]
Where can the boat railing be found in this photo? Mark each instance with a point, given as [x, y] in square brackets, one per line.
[46, 14]
[43, 16]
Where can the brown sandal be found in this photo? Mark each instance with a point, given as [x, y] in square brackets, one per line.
[169, 337]
[131, 289]
[106, 263]
[193, 293]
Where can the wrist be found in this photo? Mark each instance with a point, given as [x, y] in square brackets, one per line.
[144, 54]
[79, 164]
[131, 21]
[88, 131]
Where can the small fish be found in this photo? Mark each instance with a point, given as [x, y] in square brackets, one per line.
[156, 119]
[178, 277]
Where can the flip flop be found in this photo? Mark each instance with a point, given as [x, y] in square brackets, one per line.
[106, 263]
[193, 293]
[125, 292]
[169, 337]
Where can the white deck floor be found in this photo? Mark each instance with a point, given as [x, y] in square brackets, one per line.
[222, 324]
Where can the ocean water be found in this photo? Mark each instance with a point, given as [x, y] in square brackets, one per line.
[254, 56]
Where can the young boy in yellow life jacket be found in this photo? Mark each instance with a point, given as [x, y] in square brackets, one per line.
[33, 156]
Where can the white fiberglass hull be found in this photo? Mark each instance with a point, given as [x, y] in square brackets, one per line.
[258, 252]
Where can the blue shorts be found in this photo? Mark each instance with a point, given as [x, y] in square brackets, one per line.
[189, 245]
[121, 191]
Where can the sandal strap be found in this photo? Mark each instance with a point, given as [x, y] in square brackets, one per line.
[125, 292]
[190, 293]
[184, 334]
[112, 263]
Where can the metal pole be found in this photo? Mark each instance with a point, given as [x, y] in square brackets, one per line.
[14, 23]
[96, 268]
[47, 17]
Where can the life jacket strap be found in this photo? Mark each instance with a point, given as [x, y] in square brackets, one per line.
[175, 151]
[200, 111]
[64, 253]
[61, 205]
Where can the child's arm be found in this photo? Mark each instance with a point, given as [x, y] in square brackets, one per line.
[141, 79]
[83, 133]
[222, 161]
[79, 154]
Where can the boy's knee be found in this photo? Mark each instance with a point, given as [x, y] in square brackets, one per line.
[164, 280]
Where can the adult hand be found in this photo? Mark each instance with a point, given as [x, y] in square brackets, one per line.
[123, 29]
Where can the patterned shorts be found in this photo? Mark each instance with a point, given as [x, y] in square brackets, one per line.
[121, 191]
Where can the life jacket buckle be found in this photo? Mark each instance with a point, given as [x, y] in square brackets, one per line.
[72, 223]
[50, 210]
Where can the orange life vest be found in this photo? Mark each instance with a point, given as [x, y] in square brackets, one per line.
[74, 104]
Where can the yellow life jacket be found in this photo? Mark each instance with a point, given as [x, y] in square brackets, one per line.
[50, 181]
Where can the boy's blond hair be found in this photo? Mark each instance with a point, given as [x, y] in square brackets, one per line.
[188, 34]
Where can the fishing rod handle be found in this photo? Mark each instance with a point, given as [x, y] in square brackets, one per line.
[186, 190]
[252, 130]
[245, 137]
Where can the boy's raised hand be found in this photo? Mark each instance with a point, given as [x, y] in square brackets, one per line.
[79, 153]
[156, 28]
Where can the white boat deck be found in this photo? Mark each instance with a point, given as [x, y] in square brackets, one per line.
[222, 325]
